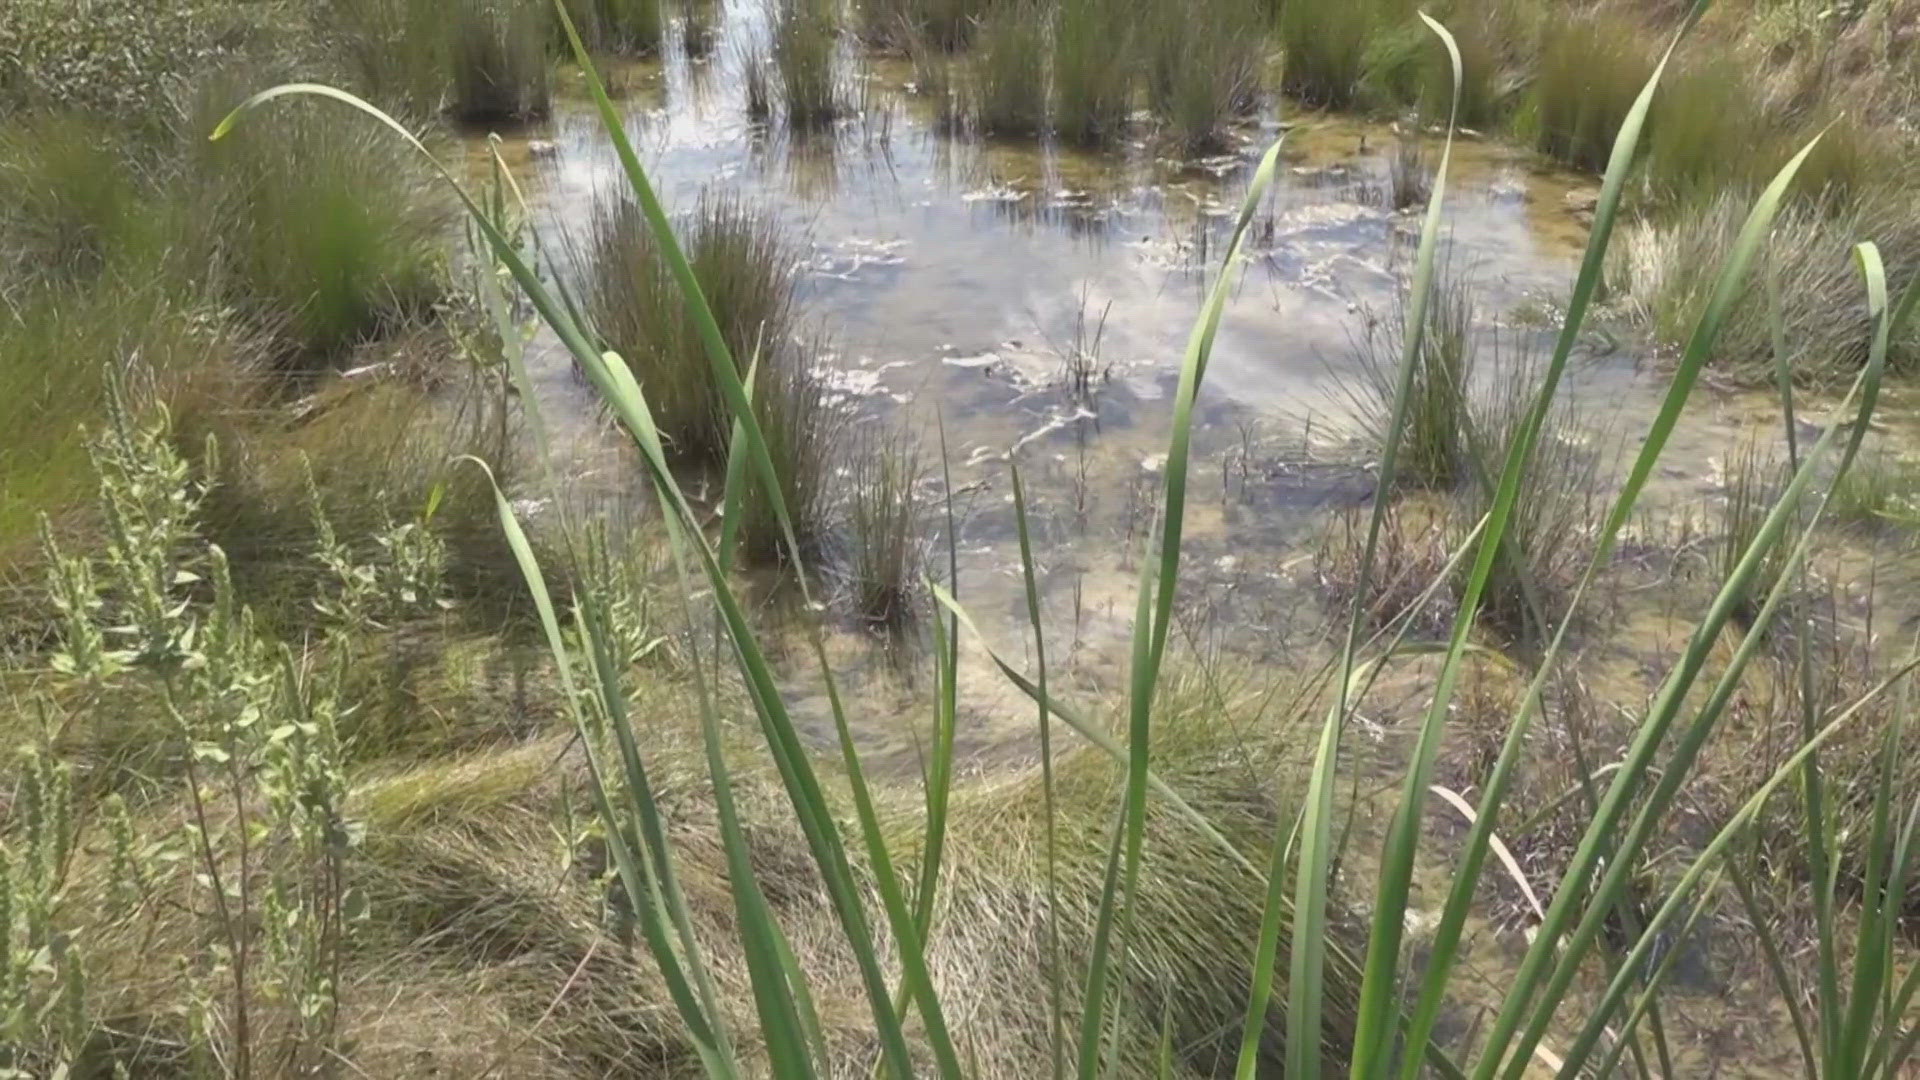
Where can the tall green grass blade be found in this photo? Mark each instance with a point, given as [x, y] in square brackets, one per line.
[1535, 966]
[1119, 881]
[1716, 849]
[716, 1054]
[1444, 951]
[946, 716]
[1379, 1010]
[1679, 763]
[1055, 1033]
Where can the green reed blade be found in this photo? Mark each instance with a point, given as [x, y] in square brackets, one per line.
[1056, 1036]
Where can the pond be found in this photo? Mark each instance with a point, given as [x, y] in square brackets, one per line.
[1000, 297]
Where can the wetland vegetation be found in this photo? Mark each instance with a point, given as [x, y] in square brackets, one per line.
[976, 538]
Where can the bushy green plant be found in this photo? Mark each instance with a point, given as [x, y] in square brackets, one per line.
[320, 229]
[1590, 67]
[1009, 69]
[1092, 47]
[1203, 67]
[803, 63]
[1434, 428]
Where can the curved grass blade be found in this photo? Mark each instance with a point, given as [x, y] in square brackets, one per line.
[1374, 1037]
[1444, 950]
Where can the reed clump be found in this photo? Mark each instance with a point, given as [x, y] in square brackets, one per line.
[885, 549]
[1092, 74]
[1203, 68]
[320, 228]
[1009, 71]
[804, 45]
[625, 27]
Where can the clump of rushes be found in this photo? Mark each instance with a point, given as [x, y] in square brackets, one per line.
[1009, 70]
[803, 431]
[1559, 510]
[1409, 172]
[803, 58]
[744, 262]
[1324, 45]
[630, 27]
[1203, 68]
[1879, 491]
[68, 198]
[1753, 478]
[902, 24]
[320, 227]
[1092, 78]
[757, 87]
[1705, 129]
[885, 552]
[1434, 440]
[497, 60]
[1660, 268]
[1401, 70]
[396, 51]
[1590, 69]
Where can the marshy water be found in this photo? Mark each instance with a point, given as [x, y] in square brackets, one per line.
[1018, 296]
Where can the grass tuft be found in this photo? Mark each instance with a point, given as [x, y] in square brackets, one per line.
[1009, 70]
[803, 61]
[1203, 68]
[1092, 75]
[886, 552]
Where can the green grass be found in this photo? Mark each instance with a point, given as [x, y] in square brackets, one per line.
[1584, 81]
[804, 45]
[1203, 68]
[885, 556]
[1093, 79]
[1882, 491]
[626, 27]
[1009, 70]
[317, 229]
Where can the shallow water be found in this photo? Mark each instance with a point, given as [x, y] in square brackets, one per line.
[953, 277]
